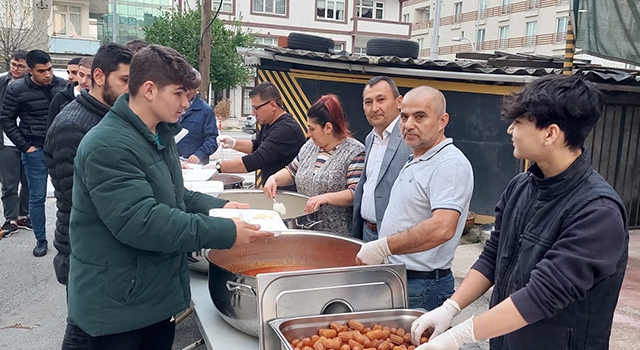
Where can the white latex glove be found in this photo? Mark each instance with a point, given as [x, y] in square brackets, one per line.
[226, 141]
[374, 252]
[438, 319]
[452, 339]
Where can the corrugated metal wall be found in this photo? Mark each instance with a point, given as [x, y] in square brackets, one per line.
[615, 149]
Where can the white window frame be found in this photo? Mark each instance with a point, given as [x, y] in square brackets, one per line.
[406, 18]
[503, 36]
[338, 47]
[67, 12]
[335, 13]
[533, 4]
[426, 14]
[530, 35]
[246, 101]
[480, 34]
[457, 12]
[274, 8]
[561, 32]
[266, 40]
[360, 51]
[375, 7]
[482, 11]
[225, 3]
[506, 7]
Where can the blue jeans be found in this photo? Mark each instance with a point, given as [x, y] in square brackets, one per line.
[36, 171]
[367, 234]
[429, 294]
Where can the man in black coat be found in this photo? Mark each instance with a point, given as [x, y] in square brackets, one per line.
[110, 75]
[15, 206]
[29, 98]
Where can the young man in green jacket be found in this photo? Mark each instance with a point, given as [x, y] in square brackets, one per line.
[132, 220]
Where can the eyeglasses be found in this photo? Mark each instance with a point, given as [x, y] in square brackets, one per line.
[255, 108]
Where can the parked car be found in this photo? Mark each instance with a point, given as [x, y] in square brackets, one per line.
[250, 125]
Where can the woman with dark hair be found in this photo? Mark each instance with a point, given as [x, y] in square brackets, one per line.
[327, 168]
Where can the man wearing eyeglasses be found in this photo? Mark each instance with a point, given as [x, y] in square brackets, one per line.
[276, 144]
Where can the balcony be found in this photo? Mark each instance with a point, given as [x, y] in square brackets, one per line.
[367, 26]
[65, 44]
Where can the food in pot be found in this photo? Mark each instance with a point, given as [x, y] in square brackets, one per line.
[281, 268]
[355, 336]
[280, 209]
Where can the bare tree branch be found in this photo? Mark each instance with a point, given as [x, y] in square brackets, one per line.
[19, 27]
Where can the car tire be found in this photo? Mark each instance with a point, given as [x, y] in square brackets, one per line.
[393, 47]
[310, 42]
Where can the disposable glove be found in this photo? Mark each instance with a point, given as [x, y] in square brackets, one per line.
[438, 319]
[452, 339]
[226, 141]
[374, 252]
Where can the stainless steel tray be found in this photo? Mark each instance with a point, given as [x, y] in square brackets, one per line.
[288, 329]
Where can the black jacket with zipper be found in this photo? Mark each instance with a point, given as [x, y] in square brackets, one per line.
[60, 148]
[60, 100]
[559, 251]
[30, 102]
[4, 82]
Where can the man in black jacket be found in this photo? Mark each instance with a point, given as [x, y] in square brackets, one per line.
[29, 98]
[558, 254]
[16, 206]
[110, 75]
[69, 93]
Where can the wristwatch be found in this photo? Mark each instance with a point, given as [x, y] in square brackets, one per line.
[219, 167]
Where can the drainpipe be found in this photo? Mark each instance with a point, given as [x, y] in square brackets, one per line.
[435, 39]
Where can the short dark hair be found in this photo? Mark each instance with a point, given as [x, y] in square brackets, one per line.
[37, 57]
[266, 92]
[75, 60]
[109, 58]
[163, 66]
[86, 62]
[19, 55]
[328, 109]
[394, 88]
[568, 101]
[136, 45]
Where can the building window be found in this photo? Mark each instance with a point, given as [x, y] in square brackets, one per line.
[503, 36]
[360, 51]
[426, 15]
[533, 4]
[67, 20]
[421, 43]
[480, 39]
[246, 102]
[530, 40]
[338, 47]
[561, 29]
[370, 9]
[506, 7]
[457, 14]
[266, 41]
[482, 11]
[330, 9]
[406, 18]
[227, 6]
[275, 7]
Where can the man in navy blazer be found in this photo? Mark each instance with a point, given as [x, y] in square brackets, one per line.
[385, 155]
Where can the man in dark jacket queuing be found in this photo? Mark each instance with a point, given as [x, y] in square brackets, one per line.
[12, 176]
[200, 143]
[132, 220]
[558, 254]
[277, 143]
[110, 74]
[72, 69]
[29, 98]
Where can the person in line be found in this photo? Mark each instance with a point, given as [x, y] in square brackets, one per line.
[327, 168]
[29, 99]
[199, 119]
[132, 220]
[559, 251]
[110, 74]
[136, 45]
[69, 93]
[428, 204]
[72, 69]
[385, 155]
[276, 144]
[15, 204]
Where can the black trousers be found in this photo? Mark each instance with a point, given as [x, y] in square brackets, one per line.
[158, 336]
[11, 176]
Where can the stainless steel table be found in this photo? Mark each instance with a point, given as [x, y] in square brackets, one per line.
[217, 334]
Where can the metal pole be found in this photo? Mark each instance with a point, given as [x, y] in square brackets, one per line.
[435, 39]
[114, 31]
[205, 50]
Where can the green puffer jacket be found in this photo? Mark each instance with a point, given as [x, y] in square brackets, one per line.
[132, 223]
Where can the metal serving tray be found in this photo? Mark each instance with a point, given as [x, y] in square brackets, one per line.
[288, 329]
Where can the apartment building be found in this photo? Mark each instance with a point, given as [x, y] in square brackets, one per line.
[350, 23]
[529, 26]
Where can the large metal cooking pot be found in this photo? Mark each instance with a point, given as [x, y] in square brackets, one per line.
[235, 295]
[230, 181]
[296, 218]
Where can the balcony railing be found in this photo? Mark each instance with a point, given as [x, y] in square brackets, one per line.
[63, 44]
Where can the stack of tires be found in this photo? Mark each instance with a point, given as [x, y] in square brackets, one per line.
[375, 47]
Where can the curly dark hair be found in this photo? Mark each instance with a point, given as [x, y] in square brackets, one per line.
[568, 101]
